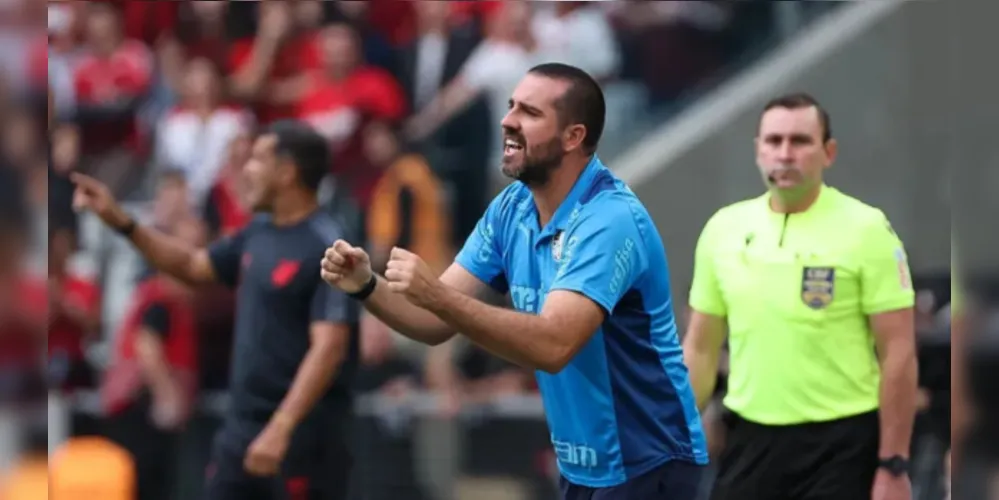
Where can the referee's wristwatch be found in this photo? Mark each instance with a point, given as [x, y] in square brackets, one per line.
[896, 465]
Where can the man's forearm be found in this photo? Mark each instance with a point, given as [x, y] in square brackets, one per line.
[313, 378]
[897, 403]
[703, 368]
[248, 82]
[520, 338]
[166, 253]
[404, 317]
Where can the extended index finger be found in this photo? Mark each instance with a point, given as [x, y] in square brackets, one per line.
[83, 180]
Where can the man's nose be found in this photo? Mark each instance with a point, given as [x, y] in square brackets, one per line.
[785, 151]
[509, 123]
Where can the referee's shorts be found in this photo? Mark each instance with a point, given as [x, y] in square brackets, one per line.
[833, 460]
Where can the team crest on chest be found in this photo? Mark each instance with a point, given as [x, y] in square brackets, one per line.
[557, 246]
[818, 286]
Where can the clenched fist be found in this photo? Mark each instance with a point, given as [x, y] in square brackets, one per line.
[346, 267]
[409, 275]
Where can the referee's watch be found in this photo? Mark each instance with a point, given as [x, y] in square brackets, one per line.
[895, 465]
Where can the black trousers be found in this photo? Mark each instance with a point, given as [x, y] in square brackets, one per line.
[154, 451]
[322, 475]
[834, 460]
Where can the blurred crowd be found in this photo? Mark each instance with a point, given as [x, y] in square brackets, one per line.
[161, 101]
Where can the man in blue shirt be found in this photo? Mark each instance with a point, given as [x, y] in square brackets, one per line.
[586, 271]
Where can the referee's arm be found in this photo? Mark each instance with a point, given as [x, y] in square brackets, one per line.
[702, 343]
[887, 300]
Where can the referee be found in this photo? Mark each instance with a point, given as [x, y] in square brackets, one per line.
[812, 288]
[586, 271]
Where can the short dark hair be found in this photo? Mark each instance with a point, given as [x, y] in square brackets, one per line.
[583, 102]
[799, 100]
[308, 150]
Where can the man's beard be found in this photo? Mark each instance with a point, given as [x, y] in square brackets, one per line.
[538, 167]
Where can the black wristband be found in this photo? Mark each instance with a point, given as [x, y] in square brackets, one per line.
[127, 229]
[366, 290]
[896, 465]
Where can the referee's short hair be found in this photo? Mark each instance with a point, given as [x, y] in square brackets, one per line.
[583, 102]
[799, 100]
[308, 150]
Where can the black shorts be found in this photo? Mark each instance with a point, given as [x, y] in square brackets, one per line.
[674, 480]
[323, 476]
[817, 461]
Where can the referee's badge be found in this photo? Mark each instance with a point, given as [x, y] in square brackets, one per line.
[557, 246]
[817, 286]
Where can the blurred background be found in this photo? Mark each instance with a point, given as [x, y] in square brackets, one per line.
[160, 99]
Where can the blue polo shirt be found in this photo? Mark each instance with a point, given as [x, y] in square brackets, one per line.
[623, 405]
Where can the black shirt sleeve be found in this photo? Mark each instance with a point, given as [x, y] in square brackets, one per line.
[156, 318]
[331, 305]
[226, 255]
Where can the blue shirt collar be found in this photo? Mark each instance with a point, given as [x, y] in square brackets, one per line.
[560, 218]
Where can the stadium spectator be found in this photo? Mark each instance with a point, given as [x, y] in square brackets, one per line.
[677, 44]
[407, 208]
[458, 151]
[492, 70]
[110, 83]
[147, 22]
[74, 314]
[23, 308]
[195, 136]
[57, 54]
[171, 203]
[151, 382]
[341, 97]
[269, 69]
[227, 209]
[577, 33]
[200, 32]
[21, 145]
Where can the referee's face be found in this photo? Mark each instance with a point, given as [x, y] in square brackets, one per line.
[790, 151]
[532, 141]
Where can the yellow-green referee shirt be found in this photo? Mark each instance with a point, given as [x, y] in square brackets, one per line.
[797, 290]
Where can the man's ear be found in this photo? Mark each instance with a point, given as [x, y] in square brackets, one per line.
[832, 149]
[573, 136]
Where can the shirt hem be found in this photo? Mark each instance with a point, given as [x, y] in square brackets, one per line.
[853, 412]
[696, 459]
[890, 306]
[707, 310]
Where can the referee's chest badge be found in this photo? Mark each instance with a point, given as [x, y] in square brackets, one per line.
[817, 286]
[557, 246]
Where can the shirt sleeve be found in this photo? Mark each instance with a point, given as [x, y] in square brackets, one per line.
[156, 319]
[705, 291]
[331, 305]
[603, 255]
[226, 256]
[482, 254]
[886, 284]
